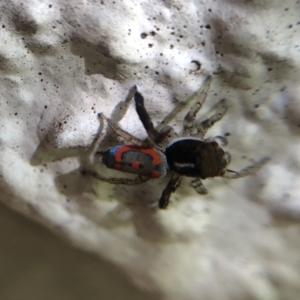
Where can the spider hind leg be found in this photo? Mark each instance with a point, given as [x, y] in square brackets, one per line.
[124, 134]
[171, 187]
[112, 180]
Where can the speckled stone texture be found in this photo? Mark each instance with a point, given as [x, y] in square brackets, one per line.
[62, 62]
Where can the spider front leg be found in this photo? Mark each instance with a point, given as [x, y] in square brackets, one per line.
[188, 121]
[206, 124]
[246, 171]
[221, 140]
[173, 184]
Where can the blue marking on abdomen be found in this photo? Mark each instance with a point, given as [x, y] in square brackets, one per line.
[113, 151]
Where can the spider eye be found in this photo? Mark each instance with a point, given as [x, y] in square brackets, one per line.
[215, 144]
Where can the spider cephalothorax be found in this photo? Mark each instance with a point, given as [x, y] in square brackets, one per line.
[191, 155]
[196, 158]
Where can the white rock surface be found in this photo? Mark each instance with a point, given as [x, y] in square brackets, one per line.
[63, 62]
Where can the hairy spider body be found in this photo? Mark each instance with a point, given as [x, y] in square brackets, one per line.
[148, 162]
[190, 156]
[193, 157]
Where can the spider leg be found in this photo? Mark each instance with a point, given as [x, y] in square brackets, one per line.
[188, 121]
[92, 154]
[124, 134]
[121, 108]
[112, 180]
[182, 105]
[206, 124]
[198, 186]
[154, 134]
[246, 171]
[173, 184]
[221, 140]
[95, 145]
[227, 157]
[169, 134]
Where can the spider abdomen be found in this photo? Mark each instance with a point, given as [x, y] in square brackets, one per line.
[148, 162]
[196, 158]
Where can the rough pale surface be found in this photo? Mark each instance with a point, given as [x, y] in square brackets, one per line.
[63, 62]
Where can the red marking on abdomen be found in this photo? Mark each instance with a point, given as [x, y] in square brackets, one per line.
[155, 174]
[136, 165]
[118, 167]
[150, 151]
[119, 154]
[154, 154]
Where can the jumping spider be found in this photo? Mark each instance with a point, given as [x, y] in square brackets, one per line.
[191, 155]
